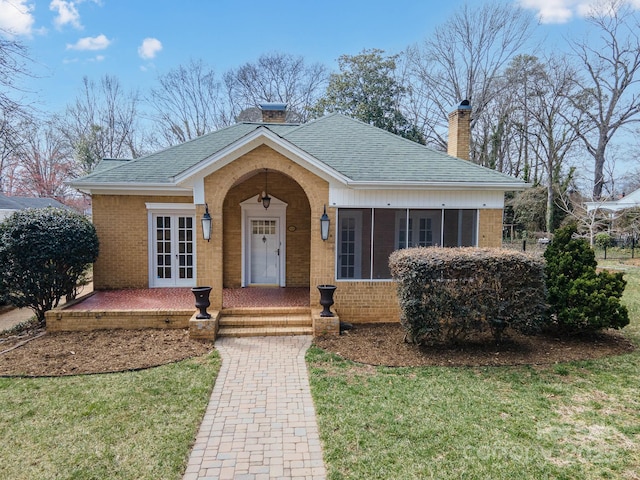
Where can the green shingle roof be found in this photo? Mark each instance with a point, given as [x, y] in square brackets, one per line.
[358, 151]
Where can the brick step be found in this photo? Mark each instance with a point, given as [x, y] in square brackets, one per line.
[291, 320]
[263, 331]
[264, 311]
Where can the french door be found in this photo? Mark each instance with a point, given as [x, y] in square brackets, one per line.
[349, 244]
[173, 250]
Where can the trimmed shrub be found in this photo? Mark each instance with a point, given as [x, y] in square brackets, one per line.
[445, 294]
[44, 253]
[580, 299]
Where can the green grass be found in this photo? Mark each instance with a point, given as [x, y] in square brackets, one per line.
[575, 420]
[132, 425]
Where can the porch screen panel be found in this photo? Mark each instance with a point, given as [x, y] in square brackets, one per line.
[389, 232]
[185, 247]
[354, 243]
[425, 229]
[460, 228]
[163, 247]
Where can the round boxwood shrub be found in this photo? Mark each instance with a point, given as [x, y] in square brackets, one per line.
[581, 299]
[43, 255]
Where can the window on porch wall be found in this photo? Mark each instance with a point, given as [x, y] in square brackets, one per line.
[366, 237]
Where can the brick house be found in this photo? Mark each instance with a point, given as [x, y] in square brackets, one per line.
[380, 193]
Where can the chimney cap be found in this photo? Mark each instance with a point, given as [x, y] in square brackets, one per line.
[465, 105]
[273, 106]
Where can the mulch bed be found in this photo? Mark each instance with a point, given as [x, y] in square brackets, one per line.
[38, 353]
[383, 344]
[101, 351]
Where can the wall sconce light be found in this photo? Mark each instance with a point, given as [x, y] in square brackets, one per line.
[324, 225]
[206, 224]
[266, 199]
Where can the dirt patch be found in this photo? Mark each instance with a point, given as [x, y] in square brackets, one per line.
[72, 353]
[383, 344]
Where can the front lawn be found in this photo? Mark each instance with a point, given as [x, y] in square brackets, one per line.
[571, 420]
[131, 425]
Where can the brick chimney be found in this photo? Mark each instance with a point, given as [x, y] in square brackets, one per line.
[460, 131]
[274, 112]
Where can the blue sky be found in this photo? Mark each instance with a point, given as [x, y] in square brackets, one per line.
[138, 39]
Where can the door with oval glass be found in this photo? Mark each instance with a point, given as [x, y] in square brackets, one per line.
[264, 265]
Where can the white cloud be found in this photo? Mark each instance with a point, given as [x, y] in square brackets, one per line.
[67, 13]
[16, 17]
[561, 11]
[90, 43]
[149, 48]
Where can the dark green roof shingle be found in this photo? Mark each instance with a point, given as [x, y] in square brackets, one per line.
[358, 151]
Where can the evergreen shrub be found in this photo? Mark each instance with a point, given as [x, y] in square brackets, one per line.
[580, 299]
[44, 254]
[445, 294]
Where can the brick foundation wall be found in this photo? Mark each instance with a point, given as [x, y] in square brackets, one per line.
[367, 302]
[121, 223]
[81, 321]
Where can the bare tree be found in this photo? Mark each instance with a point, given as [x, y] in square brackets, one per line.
[44, 162]
[276, 77]
[102, 123]
[609, 98]
[463, 59]
[13, 66]
[188, 102]
[590, 217]
[546, 105]
[11, 140]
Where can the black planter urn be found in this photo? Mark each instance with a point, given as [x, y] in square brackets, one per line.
[202, 301]
[326, 299]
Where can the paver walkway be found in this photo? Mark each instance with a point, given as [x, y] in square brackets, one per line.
[260, 422]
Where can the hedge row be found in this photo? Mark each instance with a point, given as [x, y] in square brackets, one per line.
[445, 294]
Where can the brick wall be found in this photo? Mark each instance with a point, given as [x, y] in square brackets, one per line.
[490, 228]
[367, 302]
[121, 223]
[306, 195]
[298, 216]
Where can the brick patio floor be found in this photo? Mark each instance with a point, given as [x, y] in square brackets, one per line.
[260, 422]
[182, 298]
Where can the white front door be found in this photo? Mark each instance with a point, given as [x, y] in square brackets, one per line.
[173, 250]
[264, 251]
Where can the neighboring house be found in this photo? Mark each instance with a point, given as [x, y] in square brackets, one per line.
[8, 205]
[380, 192]
[626, 201]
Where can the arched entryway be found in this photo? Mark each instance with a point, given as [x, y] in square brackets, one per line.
[266, 247]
